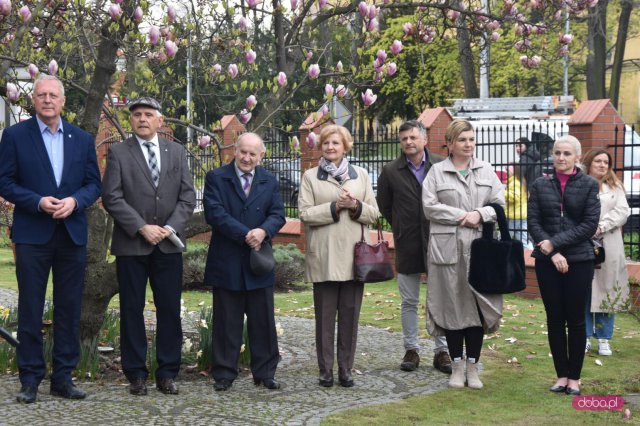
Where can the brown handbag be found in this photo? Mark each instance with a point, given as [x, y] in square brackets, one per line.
[372, 262]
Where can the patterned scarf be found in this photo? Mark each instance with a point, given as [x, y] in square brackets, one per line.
[340, 173]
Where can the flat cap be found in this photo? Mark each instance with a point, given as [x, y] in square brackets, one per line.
[145, 101]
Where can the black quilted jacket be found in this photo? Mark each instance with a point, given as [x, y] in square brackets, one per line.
[568, 221]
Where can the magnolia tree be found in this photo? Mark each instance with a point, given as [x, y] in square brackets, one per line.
[270, 63]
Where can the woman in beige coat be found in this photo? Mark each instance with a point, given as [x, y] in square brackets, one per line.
[454, 194]
[336, 200]
[610, 286]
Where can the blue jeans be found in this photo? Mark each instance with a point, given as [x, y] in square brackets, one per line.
[599, 324]
[518, 230]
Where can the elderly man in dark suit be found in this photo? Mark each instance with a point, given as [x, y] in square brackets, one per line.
[49, 171]
[149, 193]
[243, 206]
[400, 201]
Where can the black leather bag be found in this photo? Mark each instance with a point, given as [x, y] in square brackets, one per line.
[372, 262]
[497, 266]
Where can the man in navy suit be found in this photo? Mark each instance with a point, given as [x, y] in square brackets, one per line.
[49, 171]
[243, 206]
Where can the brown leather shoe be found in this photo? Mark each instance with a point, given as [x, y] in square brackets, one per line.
[411, 360]
[138, 386]
[167, 386]
[442, 362]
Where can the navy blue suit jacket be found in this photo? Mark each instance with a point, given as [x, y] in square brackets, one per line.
[231, 215]
[26, 175]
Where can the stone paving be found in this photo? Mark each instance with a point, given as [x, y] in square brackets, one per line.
[300, 400]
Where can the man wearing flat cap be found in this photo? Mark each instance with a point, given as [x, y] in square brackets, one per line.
[147, 189]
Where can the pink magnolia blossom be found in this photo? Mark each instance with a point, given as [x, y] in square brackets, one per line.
[396, 47]
[154, 35]
[339, 66]
[138, 14]
[171, 14]
[314, 71]
[115, 11]
[377, 64]
[171, 48]
[368, 98]
[408, 28]
[325, 110]
[244, 116]
[377, 77]
[233, 71]
[565, 39]
[282, 79]
[558, 15]
[294, 5]
[12, 92]
[372, 25]
[493, 25]
[250, 56]
[328, 90]
[5, 7]
[322, 4]
[33, 70]
[243, 23]
[204, 141]
[531, 62]
[309, 55]
[563, 50]
[391, 68]
[295, 143]
[382, 56]
[251, 102]
[312, 140]
[217, 69]
[25, 14]
[252, 4]
[373, 11]
[363, 8]
[539, 29]
[453, 14]
[161, 56]
[53, 67]
[35, 31]
[495, 36]
[341, 91]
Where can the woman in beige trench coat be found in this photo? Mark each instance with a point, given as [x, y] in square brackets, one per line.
[336, 200]
[454, 194]
[610, 286]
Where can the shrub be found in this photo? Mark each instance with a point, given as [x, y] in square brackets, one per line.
[289, 265]
[194, 261]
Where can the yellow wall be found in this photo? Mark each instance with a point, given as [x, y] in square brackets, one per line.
[629, 101]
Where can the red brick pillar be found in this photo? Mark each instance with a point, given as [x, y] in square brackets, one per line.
[309, 156]
[228, 132]
[436, 121]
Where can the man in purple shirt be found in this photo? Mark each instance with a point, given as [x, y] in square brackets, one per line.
[400, 201]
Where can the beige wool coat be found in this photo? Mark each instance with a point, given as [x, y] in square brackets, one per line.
[329, 238]
[610, 288]
[452, 304]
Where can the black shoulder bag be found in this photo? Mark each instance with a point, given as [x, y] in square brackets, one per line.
[497, 266]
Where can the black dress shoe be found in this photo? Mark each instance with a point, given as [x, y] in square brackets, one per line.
[572, 391]
[27, 394]
[327, 383]
[558, 389]
[222, 385]
[138, 386]
[67, 390]
[268, 383]
[346, 382]
[167, 386]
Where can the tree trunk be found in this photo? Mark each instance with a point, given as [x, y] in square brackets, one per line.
[597, 56]
[626, 7]
[467, 61]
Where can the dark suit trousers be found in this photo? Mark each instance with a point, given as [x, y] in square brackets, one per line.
[345, 299]
[229, 308]
[164, 273]
[67, 261]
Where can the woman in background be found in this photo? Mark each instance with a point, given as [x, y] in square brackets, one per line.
[563, 216]
[336, 200]
[515, 197]
[610, 287]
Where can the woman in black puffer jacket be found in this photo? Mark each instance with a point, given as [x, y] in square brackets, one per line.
[563, 215]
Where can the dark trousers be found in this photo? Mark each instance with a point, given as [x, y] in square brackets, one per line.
[345, 299]
[471, 337]
[164, 273]
[67, 261]
[229, 308]
[564, 297]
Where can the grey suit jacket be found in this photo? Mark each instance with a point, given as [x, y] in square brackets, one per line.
[132, 199]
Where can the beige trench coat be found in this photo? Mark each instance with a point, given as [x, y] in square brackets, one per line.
[452, 304]
[612, 278]
[330, 243]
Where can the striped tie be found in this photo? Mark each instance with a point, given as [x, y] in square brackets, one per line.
[247, 183]
[153, 163]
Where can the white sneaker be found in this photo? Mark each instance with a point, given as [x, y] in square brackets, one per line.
[587, 348]
[603, 347]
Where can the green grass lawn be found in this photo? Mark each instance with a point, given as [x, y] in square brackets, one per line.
[516, 375]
